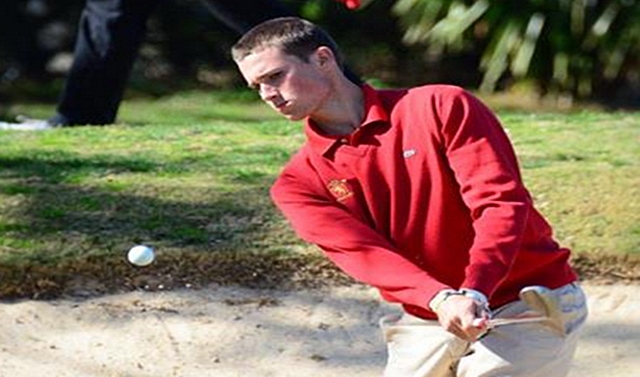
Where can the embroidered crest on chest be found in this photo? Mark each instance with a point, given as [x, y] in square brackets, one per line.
[340, 189]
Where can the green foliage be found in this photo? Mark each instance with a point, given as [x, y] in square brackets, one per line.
[572, 46]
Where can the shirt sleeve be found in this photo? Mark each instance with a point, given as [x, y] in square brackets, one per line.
[354, 246]
[484, 163]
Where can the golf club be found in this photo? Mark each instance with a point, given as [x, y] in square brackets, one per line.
[544, 309]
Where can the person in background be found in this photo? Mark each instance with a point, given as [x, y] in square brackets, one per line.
[418, 193]
[110, 34]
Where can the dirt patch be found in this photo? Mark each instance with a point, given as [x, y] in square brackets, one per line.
[97, 276]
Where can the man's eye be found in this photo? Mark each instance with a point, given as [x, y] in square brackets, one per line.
[274, 76]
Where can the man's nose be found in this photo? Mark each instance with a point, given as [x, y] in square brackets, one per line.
[267, 92]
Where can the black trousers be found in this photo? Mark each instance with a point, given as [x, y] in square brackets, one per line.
[109, 38]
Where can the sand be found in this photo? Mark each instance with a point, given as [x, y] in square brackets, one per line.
[224, 332]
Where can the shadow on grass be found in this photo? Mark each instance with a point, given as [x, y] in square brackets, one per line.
[57, 167]
[60, 238]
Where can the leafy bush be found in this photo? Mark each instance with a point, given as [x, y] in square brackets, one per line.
[572, 46]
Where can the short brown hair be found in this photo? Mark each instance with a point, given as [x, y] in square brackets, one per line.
[293, 35]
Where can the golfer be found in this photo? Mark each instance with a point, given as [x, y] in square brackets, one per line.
[418, 193]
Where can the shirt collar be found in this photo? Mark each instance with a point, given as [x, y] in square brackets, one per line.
[374, 113]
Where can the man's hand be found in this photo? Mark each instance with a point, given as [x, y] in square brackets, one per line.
[459, 315]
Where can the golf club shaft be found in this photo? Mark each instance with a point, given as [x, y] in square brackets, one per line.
[512, 321]
[496, 322]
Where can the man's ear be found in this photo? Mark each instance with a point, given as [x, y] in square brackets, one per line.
[324, 56]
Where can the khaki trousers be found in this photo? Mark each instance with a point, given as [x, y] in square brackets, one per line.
[422, 348]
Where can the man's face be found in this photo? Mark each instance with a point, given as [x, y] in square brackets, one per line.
[294, 88]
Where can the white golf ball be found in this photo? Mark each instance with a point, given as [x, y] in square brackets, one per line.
[141, 255]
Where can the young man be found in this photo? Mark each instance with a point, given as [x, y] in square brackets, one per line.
[418, 193]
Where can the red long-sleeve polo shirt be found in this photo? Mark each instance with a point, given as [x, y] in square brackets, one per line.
[426, 194]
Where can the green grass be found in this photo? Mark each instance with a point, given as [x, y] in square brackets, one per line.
[189, 175]
[187, 172]
[583, 170]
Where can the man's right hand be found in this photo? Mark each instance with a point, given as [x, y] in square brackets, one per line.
[459, 315]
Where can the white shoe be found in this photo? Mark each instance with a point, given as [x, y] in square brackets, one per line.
[26, 124]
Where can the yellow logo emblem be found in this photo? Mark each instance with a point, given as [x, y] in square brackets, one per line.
[340, 189]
